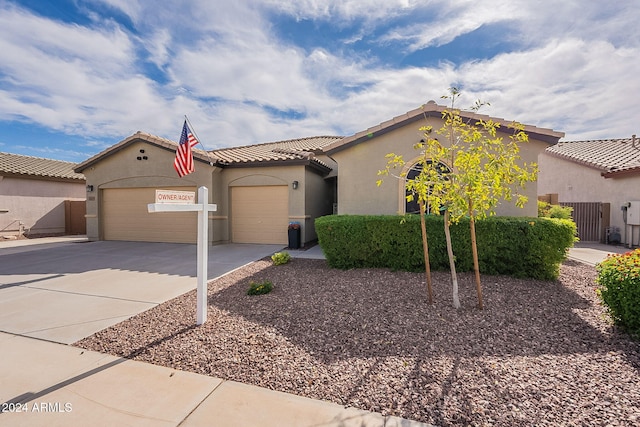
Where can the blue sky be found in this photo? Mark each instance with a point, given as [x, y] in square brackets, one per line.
[77, 76]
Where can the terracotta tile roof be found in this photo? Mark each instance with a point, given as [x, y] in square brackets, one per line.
[610, 156]
[302, 149]
[19, 165]
[289, 150]
[431, 109]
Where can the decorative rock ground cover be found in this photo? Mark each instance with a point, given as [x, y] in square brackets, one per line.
[541, 353]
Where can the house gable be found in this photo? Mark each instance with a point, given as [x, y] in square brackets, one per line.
[433, 110]
[362, 155]
[165, 144]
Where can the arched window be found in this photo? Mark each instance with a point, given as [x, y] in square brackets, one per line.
[411, 207]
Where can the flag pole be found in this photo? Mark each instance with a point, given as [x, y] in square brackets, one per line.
[198, 139]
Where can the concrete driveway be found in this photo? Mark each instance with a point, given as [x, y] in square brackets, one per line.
[65, 291]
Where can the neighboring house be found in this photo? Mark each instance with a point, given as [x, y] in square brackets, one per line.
[259, 189]
[362, 155]
[597, 172]
[40, 197]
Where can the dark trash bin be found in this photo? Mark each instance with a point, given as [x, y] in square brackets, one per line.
[294, 235]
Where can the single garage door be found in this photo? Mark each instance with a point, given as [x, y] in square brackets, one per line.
[125, 217]
[260, 214]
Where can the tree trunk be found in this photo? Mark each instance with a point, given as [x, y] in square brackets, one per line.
[425, 248]
[474, 249]
[452, 262]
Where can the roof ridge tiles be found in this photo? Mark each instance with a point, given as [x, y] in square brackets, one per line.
[263, 144]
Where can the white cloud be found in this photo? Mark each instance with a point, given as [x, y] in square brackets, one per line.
[158, 45]
[228, 71]
[33, 35]
[444, 21]
[131, 8]
[342, 10]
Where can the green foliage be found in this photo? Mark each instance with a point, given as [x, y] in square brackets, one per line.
[543, 208]
[547, 210]
[280, 258]
[485, 168]
[259, 288]
[619, 289]
[520, 247]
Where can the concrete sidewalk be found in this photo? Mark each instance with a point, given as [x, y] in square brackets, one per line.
[50, 384]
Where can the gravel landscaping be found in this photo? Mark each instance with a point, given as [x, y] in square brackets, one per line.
[541, 353]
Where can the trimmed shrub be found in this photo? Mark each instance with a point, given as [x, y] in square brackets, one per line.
[548, 210]
[521, 247]
[619, 289]
[259, 288]
[280, 258]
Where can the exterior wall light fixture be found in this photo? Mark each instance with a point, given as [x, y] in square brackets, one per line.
[89, 188]
[294, 185]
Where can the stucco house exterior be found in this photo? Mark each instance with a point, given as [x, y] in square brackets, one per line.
[40, 197]
[259, 189]
[361, 156]
[602, 171]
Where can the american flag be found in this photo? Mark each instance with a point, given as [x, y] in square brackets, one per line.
[183, 163]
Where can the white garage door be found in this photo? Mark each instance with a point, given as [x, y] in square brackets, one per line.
[125, 217]
[260, 214]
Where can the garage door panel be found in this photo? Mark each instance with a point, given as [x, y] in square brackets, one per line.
[260, 214]
[125, 217]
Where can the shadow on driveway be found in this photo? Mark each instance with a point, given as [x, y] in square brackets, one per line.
[66, 291]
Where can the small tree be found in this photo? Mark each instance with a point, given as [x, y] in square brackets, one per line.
[483, 169]
[416, 188]
[486, 167]
[429, 188]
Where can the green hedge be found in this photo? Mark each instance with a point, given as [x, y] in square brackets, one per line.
[521, 247]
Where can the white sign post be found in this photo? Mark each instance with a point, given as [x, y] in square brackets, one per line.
[172, 201]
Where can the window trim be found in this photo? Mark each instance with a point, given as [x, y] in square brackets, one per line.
[402, 191]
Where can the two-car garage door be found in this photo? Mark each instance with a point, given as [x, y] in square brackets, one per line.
[125, 217]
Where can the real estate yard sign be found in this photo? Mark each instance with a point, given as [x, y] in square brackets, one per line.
[184, 201]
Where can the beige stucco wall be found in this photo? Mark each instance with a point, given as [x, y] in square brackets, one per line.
[576, 183]
[318, 201]
[301, 209]
[122, 169]
[359, 166]
[37, 204]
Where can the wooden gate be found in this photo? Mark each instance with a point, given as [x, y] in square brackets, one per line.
[591, 218]
[74, 220]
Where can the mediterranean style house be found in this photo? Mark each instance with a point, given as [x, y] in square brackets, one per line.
[259, 189]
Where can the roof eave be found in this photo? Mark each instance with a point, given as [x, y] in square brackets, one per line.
[43, 177]
[621, 173]
[313, 163]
